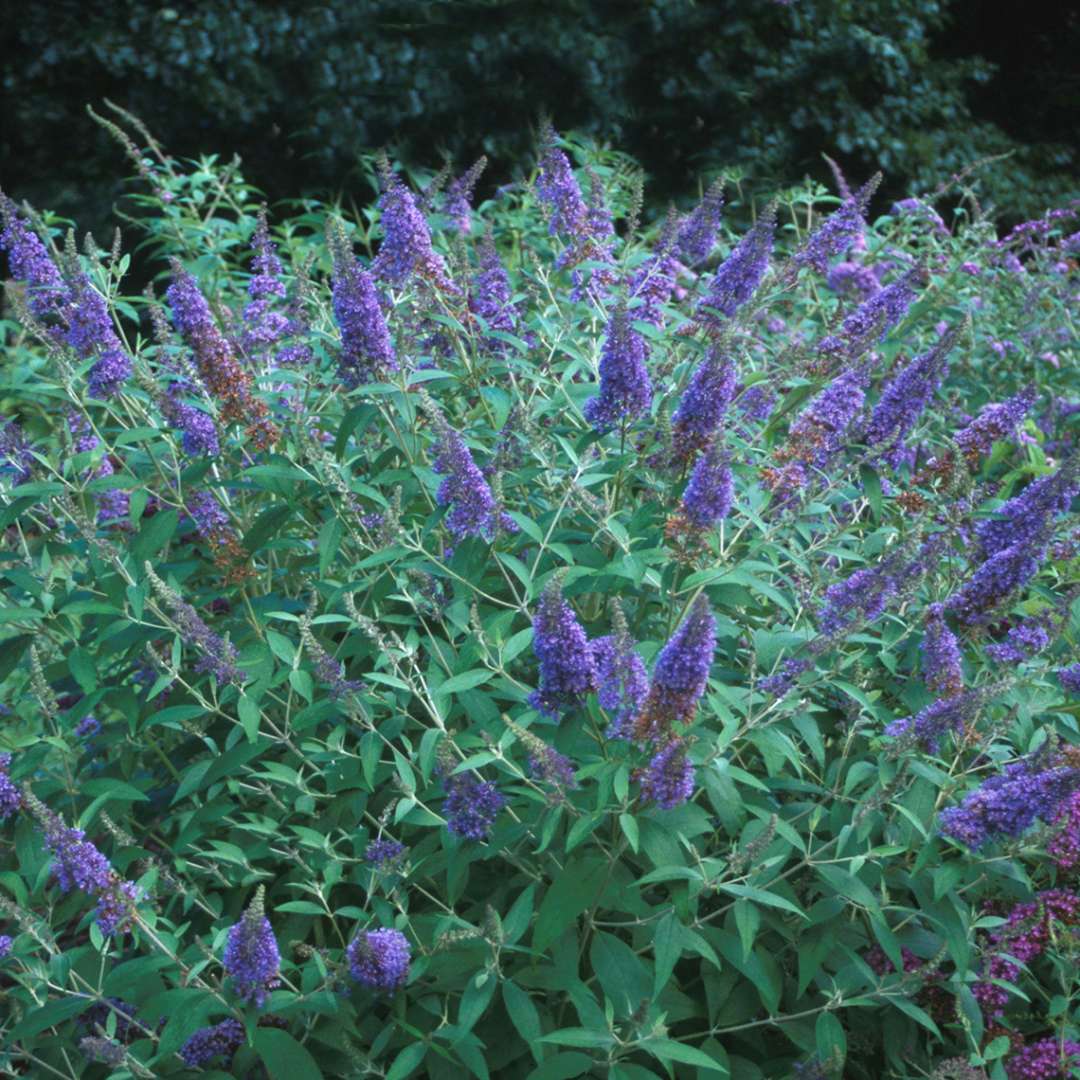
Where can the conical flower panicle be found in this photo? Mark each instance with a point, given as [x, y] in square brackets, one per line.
[406, 249]
[625, 387]
[457, 199]
[622, 681]
[491, 295]
[1029, 517]
[473, 509]
[379, 959]
[738, 277]
[668, 779]
[838, 230]
[941, 657]
[680, 675]
[907, 394]
[997, 421]
[697, 233]
[366, 350]
[567, 664]
[874, 318]
[471, 805]
[251, 958]
[558, 190]
[263, 323]
[711, 491]
[1009, 803]
[30, 262]
[215, 359]
[703, 404]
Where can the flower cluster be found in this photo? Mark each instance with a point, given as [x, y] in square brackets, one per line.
[621, 678]
[1024, 936]
[78, 864]
[406, 248]
[997, 421]
[216, 360]
[668, 780]
[625, 386]
[1009, 803]
[379, 959]
[738, 277]
[251, 958]
[680, 675]
[702, 406]
[471, 805]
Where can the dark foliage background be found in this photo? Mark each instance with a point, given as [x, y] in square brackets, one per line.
[919, 88]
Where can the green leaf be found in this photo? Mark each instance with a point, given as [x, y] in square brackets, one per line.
[562, 1067]
[830, 1037]
[467, 680]
[621, 973]
[579, 1037]
[407, 1060]
[670, 1050]
[578, 887]
[249, 714]
[524, 1016]
[48, 1015]
[154, 535]
[284, 1057]
[267, 524]
[329, 541]
[760, 896]
[474, 1002]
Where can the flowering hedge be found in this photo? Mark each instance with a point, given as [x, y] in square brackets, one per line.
[515, 641]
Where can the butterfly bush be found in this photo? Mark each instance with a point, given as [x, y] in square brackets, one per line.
[516, 631]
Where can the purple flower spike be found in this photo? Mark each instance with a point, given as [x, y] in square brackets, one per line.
[252, 959]
[1009, 803]
[739, 276]
[457, 202]
[492, 295]
[379, 959]
[622, 680]
[669, 777]
[30, 263]
[366, 350]
[874, 318]
[703, 404]
[1045, 1059]
[567, 664]
[697, 234]
[942, 661]
[1069, 678]
[384, 855]
[994, 581]
[463, 489]
[198, 432]
[838, 230]
[997, 421]
[406, 248]
[220, 1040]
[625, 387]
[1028, 517]
[907, 394]
[471, 805]
[680, 675]
[558, 190]
[711, 491]
[1021, 642]
[10, 799]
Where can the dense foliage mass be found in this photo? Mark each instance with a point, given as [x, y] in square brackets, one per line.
[299, 89]
[515, 641]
